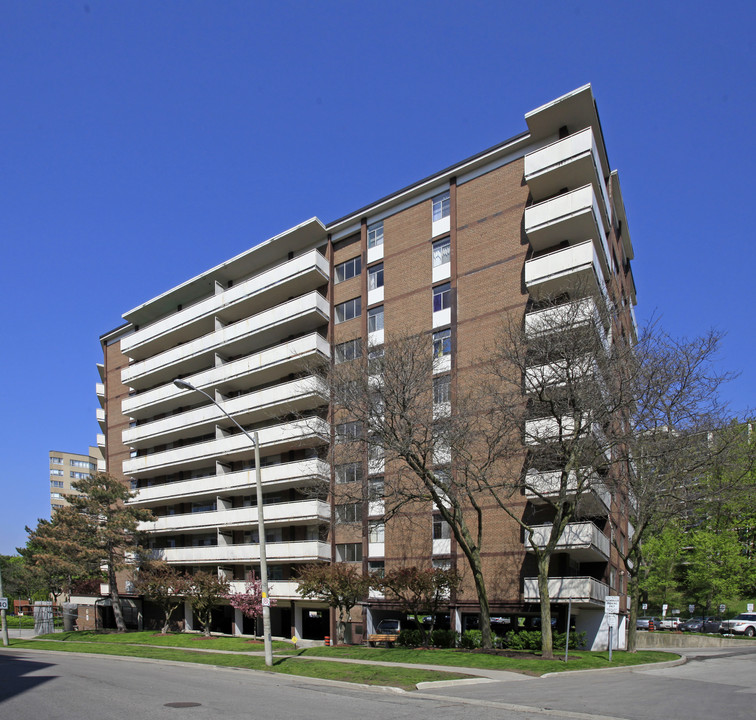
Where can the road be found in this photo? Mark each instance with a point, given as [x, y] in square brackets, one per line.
[712, 685]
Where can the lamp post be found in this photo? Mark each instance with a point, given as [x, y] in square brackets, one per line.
[184, 385]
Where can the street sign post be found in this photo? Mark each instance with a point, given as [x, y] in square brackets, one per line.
[664, 610]
[611, 610]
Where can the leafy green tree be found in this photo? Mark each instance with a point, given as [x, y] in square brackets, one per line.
[341, 585]
[660, 578]
[206, 590]
[109, 528]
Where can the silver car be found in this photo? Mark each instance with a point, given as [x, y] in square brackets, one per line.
[743, 624]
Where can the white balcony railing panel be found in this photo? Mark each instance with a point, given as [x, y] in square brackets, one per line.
[282, 589]
[305, 551]
[585, 536]
[288, 272]
[547, 484]
[585, 590]
[302, 472]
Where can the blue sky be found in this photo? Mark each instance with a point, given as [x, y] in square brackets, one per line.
[144, 142]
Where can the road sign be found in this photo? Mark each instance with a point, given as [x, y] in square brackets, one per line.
[691, 608]
[266, 602]
[664, 610]
[3, 603]
[644, 606]
[749, 607]
[722, 608]
[611, 604]
[612, 621]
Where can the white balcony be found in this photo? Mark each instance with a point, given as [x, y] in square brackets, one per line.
[102, 466]
[275, 439]
[580, 590]
[573, 268]
[100, 440]
[545, 486]
[100, 392]
[572, 162]
[583, 540]
[300, 315]
[569, 316]
[277, 589]
[100, 415]
[295, 552]
[557, 378]
[441, 546]
[256, 369]
[278, 477]
[271, 287]
[296, 396]
[574, 216]
[304, 512]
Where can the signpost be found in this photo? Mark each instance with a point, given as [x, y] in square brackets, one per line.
[749, 607]
[3, 608]
[611, 611]
[664, 610]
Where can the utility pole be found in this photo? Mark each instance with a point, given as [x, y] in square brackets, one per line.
[3, 621]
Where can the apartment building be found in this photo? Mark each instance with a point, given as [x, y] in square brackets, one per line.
[67, 468]
[449, 256]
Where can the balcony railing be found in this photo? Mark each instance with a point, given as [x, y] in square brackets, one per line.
[543, 486]
[572, 161]
[274, 324]
[282, 589]
[583, 540]
[580, 590]
[304, 551]
[288, 513]
[256, 369]
[270, 287]
[277, 438]
[285, 475]
[298, 395]
[574, 216]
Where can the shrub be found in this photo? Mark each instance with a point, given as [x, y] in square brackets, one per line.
[410, 638]
[530, 640]
[471, 639]
[444, 638]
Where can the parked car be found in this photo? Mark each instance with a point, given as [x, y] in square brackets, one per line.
[701, 625]
[642, 623]
[743, 624]
[669, 623]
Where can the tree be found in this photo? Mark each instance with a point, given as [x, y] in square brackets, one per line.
[420, 592]
[250, 601]
[659, 577]
[206, 590]
[58, 553]
[164, 585]
[108, 528]
[342, 586]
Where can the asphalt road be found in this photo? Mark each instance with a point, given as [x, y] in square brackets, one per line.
[713, 685]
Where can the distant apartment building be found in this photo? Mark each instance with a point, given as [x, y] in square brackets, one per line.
[448, 257]
[67, 468]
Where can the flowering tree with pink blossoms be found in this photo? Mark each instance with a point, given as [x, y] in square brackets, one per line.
[249, 601]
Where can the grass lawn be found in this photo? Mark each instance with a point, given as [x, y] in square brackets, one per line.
[26, 621]
[367, 674]
[579, 660]
[185, 640]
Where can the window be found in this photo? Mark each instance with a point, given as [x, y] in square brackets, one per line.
[81, 464]
[441, 529]
[375, 277]
[441, 390]
[348, 431]
[375, 319]
[56, 495]
[441, 207]
[56, 460]
[375, 234]
[79, 476]
[349, 513]
[441, 563]
[376, 488]
[377, 568]
[441, 252]
[349, 552]
[347, 270]
[376, 532]
[441, 297]
[442, 343]
[349, 472]
[56, 472]
[348, 310]
[56, 483]
[375, 361]
[350, 350]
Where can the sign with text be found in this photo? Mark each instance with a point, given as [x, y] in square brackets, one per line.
[749, 607]
[664, 610]
[691, 608]
[3, 603]
[612, 621]
[611, 604]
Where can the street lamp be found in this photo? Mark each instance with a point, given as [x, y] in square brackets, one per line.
[184, 385]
